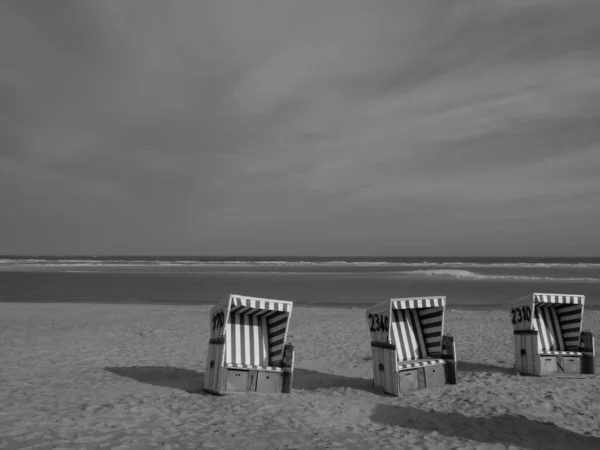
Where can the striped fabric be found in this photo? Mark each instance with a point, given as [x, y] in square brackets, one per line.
[432, 325]
[250, 366]
[247, 341]
[243, 304]
[560, 298]
[277, 326]
[550, 353]
[557, 318]
[417, 327]
[408, 335]
[570, 318]
[256, 331]
[545, 321]
[415, 364]
[414, 303]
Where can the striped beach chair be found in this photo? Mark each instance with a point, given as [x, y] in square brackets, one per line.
[247, 351]
[548, 335]
[408, 345]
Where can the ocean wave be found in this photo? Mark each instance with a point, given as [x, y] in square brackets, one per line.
[285, 263]
[466, 274]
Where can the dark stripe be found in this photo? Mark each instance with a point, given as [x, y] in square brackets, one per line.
[562, 306]
[525, 332]
[432, 325]
[547, 324]
[273, 323]
[416, 326]
[575, 321]
[383, 345]
[235, 309]
[425, 314]
[243, 338]
[232, 319]
[218, 341]
[275, 335]
[252, 323]
[433, 334]
[263, 332]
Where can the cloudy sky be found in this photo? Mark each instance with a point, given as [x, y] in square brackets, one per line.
[280, 127]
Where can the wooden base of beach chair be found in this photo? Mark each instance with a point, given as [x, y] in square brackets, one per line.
[529, 361]
[246, 380]
[426, 377]
[427, 373]
[229, 380]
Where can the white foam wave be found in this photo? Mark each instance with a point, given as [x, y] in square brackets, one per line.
[466, 274]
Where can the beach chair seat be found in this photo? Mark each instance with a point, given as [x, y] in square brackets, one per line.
[560, 353]
[252, 367]
[548, 335]
[419, 363]
[248, 349]
[409, 346]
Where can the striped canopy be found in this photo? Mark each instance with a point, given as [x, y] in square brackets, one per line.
[254, 329]
[415, 326]
[556, 317]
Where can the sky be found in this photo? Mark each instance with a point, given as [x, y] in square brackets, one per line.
[279, 127]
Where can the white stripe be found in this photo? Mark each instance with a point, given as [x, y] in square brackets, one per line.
[398, 338]
[248, 321]
[228, 343]
[264, 340]
[256, 334]
[403, 337]
[238, 341]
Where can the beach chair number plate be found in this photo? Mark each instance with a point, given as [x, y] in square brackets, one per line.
[521, 314]
[218, 320]
[379, 322]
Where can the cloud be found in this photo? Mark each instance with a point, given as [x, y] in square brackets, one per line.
[264, 126]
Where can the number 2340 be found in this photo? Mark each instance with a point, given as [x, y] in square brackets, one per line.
[379, 322]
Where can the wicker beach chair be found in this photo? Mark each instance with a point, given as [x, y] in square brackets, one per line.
[408, 346]
[548, 335]
[247, 351]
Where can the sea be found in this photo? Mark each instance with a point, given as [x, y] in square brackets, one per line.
[467, 283]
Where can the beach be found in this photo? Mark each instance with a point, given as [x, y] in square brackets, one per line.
[91, 376]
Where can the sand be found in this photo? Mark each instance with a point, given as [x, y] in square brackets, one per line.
[130, 377]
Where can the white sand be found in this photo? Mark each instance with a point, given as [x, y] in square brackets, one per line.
[130, 377]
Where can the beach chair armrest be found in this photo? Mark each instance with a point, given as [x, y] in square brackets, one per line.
[587, 344]
[287, 362]
[448, 348]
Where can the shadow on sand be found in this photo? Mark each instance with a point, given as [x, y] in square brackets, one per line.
[165, 376]
[504, 429]
[464, 366]
[312, 380]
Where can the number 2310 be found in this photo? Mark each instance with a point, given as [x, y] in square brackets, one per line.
[520, 314]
